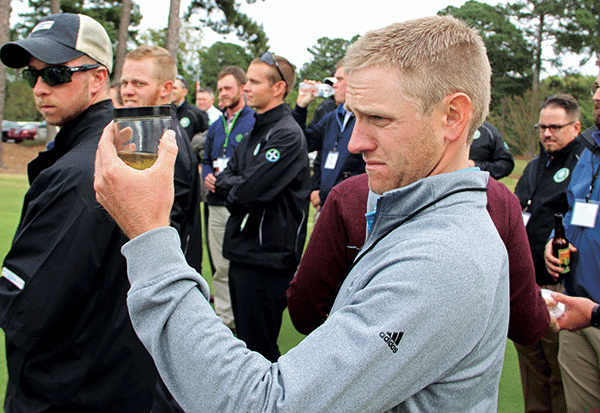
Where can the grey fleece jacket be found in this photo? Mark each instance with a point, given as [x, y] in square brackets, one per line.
[419, 324]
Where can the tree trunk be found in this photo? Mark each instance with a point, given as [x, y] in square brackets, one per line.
[172, 42]
[539, 38]
[122, 41]
[5, 10]
[54, 6]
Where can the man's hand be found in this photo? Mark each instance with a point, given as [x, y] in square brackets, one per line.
[209, 182]
[306, 96]
[553, 263]
[578, 312]
[315, 199]
[139, 201]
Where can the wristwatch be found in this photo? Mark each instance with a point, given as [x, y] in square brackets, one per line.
[596, 316]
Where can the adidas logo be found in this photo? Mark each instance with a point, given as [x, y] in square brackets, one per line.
[392, 339]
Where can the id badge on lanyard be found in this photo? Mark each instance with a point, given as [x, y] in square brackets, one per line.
[220, 164]
[332, 158]
[585, 213]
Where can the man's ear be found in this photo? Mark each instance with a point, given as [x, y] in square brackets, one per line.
[457, 115]
[279, 88]
[165, 90]
[99, 79]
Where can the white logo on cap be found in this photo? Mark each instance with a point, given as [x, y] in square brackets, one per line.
[43, 26]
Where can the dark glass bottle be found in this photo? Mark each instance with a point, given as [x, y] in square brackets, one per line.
[560, 247]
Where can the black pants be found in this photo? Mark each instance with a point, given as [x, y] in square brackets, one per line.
[258, 300]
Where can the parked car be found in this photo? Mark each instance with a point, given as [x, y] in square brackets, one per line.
[6, 126]
[25, 131]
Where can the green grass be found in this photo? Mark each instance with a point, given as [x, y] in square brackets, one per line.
[12, 190]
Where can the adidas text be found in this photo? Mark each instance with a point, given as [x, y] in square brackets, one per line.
[392, 339]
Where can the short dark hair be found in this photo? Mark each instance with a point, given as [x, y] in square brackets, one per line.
[183, 81]
[235, 71]
[566, 102]
[206, 89]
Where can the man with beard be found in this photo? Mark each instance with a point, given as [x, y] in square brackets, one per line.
[578, 352]
[223, 137]
[542, 193]
[147, 80]
[70, 346]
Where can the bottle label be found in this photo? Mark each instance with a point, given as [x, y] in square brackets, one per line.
[564, 255]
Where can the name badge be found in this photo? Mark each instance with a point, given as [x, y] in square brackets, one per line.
[220, 164]
[526, 216]
[332, 158]
[584, 213]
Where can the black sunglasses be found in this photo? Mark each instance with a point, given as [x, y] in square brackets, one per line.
[55, 75]
[268, 58]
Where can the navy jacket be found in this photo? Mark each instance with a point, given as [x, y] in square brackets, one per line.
[220, 144]
[327, 137]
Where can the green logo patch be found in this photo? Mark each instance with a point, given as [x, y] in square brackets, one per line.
[561, 175]
[273, 155]
[184, 122]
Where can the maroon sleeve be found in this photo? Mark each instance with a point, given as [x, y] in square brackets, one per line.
[334, 242]
[529, 317]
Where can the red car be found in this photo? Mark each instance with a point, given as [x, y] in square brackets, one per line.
[26, 131]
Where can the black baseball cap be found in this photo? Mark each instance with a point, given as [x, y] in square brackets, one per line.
[59, 38]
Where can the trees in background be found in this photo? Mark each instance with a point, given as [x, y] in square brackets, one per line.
[326, 53]
[580, 29]
[524, 39]
[508, 51]
[223, 17]
[218, 56]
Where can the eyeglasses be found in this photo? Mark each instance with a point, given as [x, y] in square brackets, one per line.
[553, 128]
[593, 87]
[268, 58]
[55, 75]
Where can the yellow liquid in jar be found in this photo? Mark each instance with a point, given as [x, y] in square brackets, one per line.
[138, 160]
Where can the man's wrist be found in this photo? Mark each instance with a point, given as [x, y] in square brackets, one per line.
[595, 320]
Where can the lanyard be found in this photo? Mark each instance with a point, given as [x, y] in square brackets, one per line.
[594, 177]
[348, 116]
[228, 129]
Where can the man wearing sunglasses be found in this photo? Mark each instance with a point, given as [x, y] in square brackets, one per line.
[542, 193]
[266, 185]
[70, 345]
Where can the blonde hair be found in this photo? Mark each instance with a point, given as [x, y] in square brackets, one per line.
[435, 57]
[165, 67]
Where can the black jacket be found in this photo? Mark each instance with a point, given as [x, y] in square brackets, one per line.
[267, 182]
[490, 153]
[192, 119]
[542, 192]
[69, 341]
